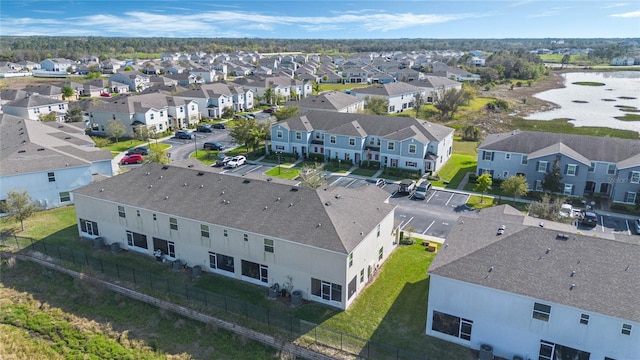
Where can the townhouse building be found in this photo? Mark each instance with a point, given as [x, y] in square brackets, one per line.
[136, 81]
[33, 105]
[48, 160]
[589, 165]
[400, 142]
[401, 96]
[262, 232]
[508, 286]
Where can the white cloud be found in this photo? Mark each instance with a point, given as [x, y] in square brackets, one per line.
[632, 14]
[609, 6]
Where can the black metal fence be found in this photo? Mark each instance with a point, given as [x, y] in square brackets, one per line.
[306, 332]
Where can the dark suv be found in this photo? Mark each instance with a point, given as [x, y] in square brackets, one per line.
[205, 128]
[212, 146]
[184, 135]
[138, 150]
[589, 218]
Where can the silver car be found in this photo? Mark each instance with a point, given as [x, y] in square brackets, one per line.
[422, 190]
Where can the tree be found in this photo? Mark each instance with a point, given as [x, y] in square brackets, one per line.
[312, 177]
[157, 155]
[286, 112]
[565, 60]
[257, 134]
[114, 129]
[376, 105]
[547, 209]
[514, 186]
[48, 117]
[67, 92]
[74, 114]
[241, 132]
[316, 88]
[228, 112]
[142, 133]
[552, 181]
[268, 95]
[448, 101]
[471, 133]
[418, 102]
[483, 184]
[19, 206]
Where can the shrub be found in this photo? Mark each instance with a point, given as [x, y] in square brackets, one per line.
[319, 158]
[368, 164]
[473, 178]
[407, 241]
[336, 162]
[101, 142]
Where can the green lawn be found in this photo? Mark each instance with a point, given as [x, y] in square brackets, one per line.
[283, 172]
[563, 126]
[125, 145]
[452, 173]
[364, 172]
[207, 157]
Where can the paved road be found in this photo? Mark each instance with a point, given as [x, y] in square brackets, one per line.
[181, 148]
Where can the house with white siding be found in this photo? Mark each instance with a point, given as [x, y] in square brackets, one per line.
[513, 287]
[32, 106]
[258, 231]
[48, 159]
[331, 101]
[136, 81]
[399, 142]
[401, 96]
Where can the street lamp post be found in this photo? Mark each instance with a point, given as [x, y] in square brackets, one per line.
[279, 153]
[195, 144]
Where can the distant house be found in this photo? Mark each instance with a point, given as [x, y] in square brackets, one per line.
[398, 142]
[401, 96]
[509, 286]
[444, 70]
[217, 97]
[32, 106]
[49, 160]
[623, 61]
[435, 85]
[135, 80]
[318, 241]
[58, 65]
[331, 101]
[609, 167]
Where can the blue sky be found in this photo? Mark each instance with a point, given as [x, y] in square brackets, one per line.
[323, 19]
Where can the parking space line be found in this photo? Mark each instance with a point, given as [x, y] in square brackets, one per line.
[428, 227]
[407, 223]
[450, 197]
[432, 195]
[335, 181]
[351, 183]
[254, 169]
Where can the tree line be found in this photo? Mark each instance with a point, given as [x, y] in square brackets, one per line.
[38, 48]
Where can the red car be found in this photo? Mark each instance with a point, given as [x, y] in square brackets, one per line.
[269, 110]
[105, 94]
[132, 159]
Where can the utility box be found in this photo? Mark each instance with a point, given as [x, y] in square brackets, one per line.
[486, 352]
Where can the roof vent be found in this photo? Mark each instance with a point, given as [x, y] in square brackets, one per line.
[338, 196]
[40, 149]
[67, 137]
[361, 233]
[269, 179]
[22, 151]
[572, 286]
[185, 184]
[201, 186]
[60, 126]
[222, 192]
[160, 177]
[265, 208]
[294, 189]
[548, 250]
[147, 173]
[290, 204]
[166, 197]
[150, 186]
[491, 269]
[190, 165]
[328, 203]
[573, 273]
[101, 190]
[541, 224]
[200, 174]
[627, 268]
[277, 199]
[318, 225]
[562, 236]
[246, 181]
[165, 167]
[500, 231]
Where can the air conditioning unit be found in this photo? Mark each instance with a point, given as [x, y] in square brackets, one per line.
[486, 352]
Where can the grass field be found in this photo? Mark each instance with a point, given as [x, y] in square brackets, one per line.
[452, 173]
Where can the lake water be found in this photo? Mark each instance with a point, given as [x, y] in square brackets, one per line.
[594, 105]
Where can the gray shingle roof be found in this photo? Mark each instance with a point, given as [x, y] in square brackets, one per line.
[34, 100]
[263, 207]
[388, 89]
[607, 278]
[593, 148]
[32, 146]
[333, 100]
[377, 125]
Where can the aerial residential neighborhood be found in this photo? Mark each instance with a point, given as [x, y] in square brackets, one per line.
[397, 181]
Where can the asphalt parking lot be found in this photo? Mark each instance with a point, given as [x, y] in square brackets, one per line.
[433, 216]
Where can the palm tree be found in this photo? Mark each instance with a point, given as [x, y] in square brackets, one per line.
[268, 95]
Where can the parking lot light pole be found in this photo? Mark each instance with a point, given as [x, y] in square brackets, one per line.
[279, 153]
[195, 144]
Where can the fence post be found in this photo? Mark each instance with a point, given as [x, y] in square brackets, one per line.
[186, 292]
[117, 271]
[206, 302]
[133, 271]
[150, 281]
[101, 266]
[73, 258]
[225, 305]
[86, 259]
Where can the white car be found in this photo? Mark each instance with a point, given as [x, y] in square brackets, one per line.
[236, 161]
[637, 224]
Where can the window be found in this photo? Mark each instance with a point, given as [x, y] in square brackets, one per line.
[412, 148]
[391, 145]
[326, 290]
[121, 212]
[630, 197]
[551, 351]
[634, 177]
[138, 213]
[611, 169]
[151, 116]
[212, 260]
[222, 262]
[279, 134]
[626, 329]
[352, 141]
[505, 174]
[353, 284]
[362, 276]
[507, 156]
[351, 260]
[487, 155]
[298, 135]
[225, 233]
[451, 325]
[268, 245]
[204, 230]
[592, 167]
[411, 164]
[155, 217]
[378, 231]
[51, 176]
[541, 311]
[542, 166]
[173, 223]
[137, 240]
[380, 253]
[64, 196]
[568, 189]
[538, 185]
[255, 271]
[89, 227]
[584, 319]
[332, 139]
[246, 237]
[166, 247]
[524, 160]
[572, 170]
[372, 141]
[392, 108]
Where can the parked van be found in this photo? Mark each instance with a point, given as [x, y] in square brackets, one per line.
[421, 190]
[406, 186]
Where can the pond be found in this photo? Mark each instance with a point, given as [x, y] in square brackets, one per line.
[593, 105]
